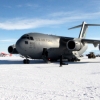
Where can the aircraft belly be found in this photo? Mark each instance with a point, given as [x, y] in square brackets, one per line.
[54, 53]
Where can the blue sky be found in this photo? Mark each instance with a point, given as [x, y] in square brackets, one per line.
[18, 17]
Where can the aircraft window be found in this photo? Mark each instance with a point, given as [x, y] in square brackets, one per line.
[26, 42]
[23, 37]
[27, 37]
[31, 38]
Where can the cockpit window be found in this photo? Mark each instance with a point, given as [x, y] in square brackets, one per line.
[31, 38]
[27, 37]
[23, 37]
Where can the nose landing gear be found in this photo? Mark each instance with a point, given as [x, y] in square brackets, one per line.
[26, 61]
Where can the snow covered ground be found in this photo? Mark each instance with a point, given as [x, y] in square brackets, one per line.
[41, 81]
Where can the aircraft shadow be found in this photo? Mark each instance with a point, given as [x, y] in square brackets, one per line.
[84, 62]
[40, 62]
[65, 63]
[21, 62]
[10, 62]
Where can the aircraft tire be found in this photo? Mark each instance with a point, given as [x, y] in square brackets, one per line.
[26, 61]
[69, 60]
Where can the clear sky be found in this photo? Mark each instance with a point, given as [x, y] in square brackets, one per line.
[18, 17]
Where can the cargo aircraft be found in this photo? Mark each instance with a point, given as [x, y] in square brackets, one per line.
[51, 47]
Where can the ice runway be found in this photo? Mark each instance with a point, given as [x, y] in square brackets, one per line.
[41, 81]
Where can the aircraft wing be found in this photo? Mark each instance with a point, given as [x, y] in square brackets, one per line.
[94, 42]
[91, 41]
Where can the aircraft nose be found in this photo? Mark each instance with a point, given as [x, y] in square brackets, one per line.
[19, 46]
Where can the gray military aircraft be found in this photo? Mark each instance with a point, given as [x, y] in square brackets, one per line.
[51, 47]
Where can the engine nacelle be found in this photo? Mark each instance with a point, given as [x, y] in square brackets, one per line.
[12, 49]
[74, 45]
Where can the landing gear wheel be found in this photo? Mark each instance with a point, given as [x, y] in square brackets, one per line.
[26, 61]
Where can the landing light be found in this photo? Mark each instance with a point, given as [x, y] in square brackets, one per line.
[49, 59]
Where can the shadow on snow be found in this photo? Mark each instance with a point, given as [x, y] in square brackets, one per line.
[40, 62]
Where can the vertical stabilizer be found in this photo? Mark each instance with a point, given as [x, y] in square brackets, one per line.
[83, 30]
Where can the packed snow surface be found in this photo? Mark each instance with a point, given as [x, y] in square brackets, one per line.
[41, 81]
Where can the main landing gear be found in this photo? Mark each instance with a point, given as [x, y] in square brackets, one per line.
[73, 59]
[45, 55]
[61, 61]
[26, 61]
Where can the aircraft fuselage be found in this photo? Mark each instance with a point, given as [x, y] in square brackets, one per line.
[31, 45]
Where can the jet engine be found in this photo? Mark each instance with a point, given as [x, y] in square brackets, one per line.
[12, 49]
[74, 45]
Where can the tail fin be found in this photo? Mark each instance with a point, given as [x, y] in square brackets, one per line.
[84, 27]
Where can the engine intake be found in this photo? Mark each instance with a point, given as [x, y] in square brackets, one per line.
[74, 45]
[12, 49]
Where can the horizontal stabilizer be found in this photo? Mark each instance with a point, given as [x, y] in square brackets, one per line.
[85, 25]
[75, 27]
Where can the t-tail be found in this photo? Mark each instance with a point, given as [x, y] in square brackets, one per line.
[84, 27]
